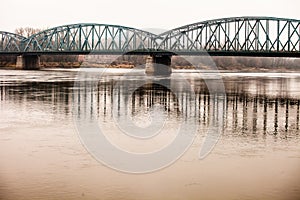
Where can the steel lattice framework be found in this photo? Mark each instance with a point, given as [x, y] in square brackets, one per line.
[10, 42]
[236, 36]
[253, 36]
[86, 38]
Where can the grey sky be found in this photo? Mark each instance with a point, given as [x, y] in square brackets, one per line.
[162, 14]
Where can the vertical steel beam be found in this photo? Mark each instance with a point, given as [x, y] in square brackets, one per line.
[93, 37]
[267, 35]
[206, 33]
[289, 35]
[256, 33]
[278, 34]
[120, 41]
[79, 40]
[68, 38]
[105, 37]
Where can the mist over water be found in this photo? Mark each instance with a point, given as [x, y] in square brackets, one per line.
[256, 157]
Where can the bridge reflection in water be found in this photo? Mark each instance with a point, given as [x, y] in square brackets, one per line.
[258, 106]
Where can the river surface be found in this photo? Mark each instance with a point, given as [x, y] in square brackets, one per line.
[44, 154]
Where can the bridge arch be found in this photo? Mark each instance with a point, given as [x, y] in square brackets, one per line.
[10, 42]
[86, 38]
[237, 35]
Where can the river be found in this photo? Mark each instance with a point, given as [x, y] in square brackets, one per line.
[47, 119]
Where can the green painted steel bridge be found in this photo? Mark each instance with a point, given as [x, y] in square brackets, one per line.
[239, 36]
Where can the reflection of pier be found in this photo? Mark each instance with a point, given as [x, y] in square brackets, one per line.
[268, 115]
[149, 95]
[54, 96]
[244, 112]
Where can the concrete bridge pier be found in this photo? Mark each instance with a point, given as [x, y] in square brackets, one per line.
[158, 65]
[30, 62]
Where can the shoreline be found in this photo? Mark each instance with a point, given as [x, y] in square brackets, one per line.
[190, 70]
[176, 68]
[184, 70]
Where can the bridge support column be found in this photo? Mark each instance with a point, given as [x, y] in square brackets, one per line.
[158, 65]
[29, 62]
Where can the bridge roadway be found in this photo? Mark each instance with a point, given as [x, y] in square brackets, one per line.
[237, 36]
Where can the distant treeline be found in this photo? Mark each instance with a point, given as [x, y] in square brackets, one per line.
[222, 62]
[240, 63]
[45, 60]
[8, 60]
[130, 61]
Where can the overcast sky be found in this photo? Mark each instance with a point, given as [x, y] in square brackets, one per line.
[162, 14]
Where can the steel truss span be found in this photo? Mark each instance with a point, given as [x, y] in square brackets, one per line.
[249, 36]
[241, 35]
[85, 38]
[10, 42]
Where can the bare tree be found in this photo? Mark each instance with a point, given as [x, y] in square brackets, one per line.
[27, 31]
